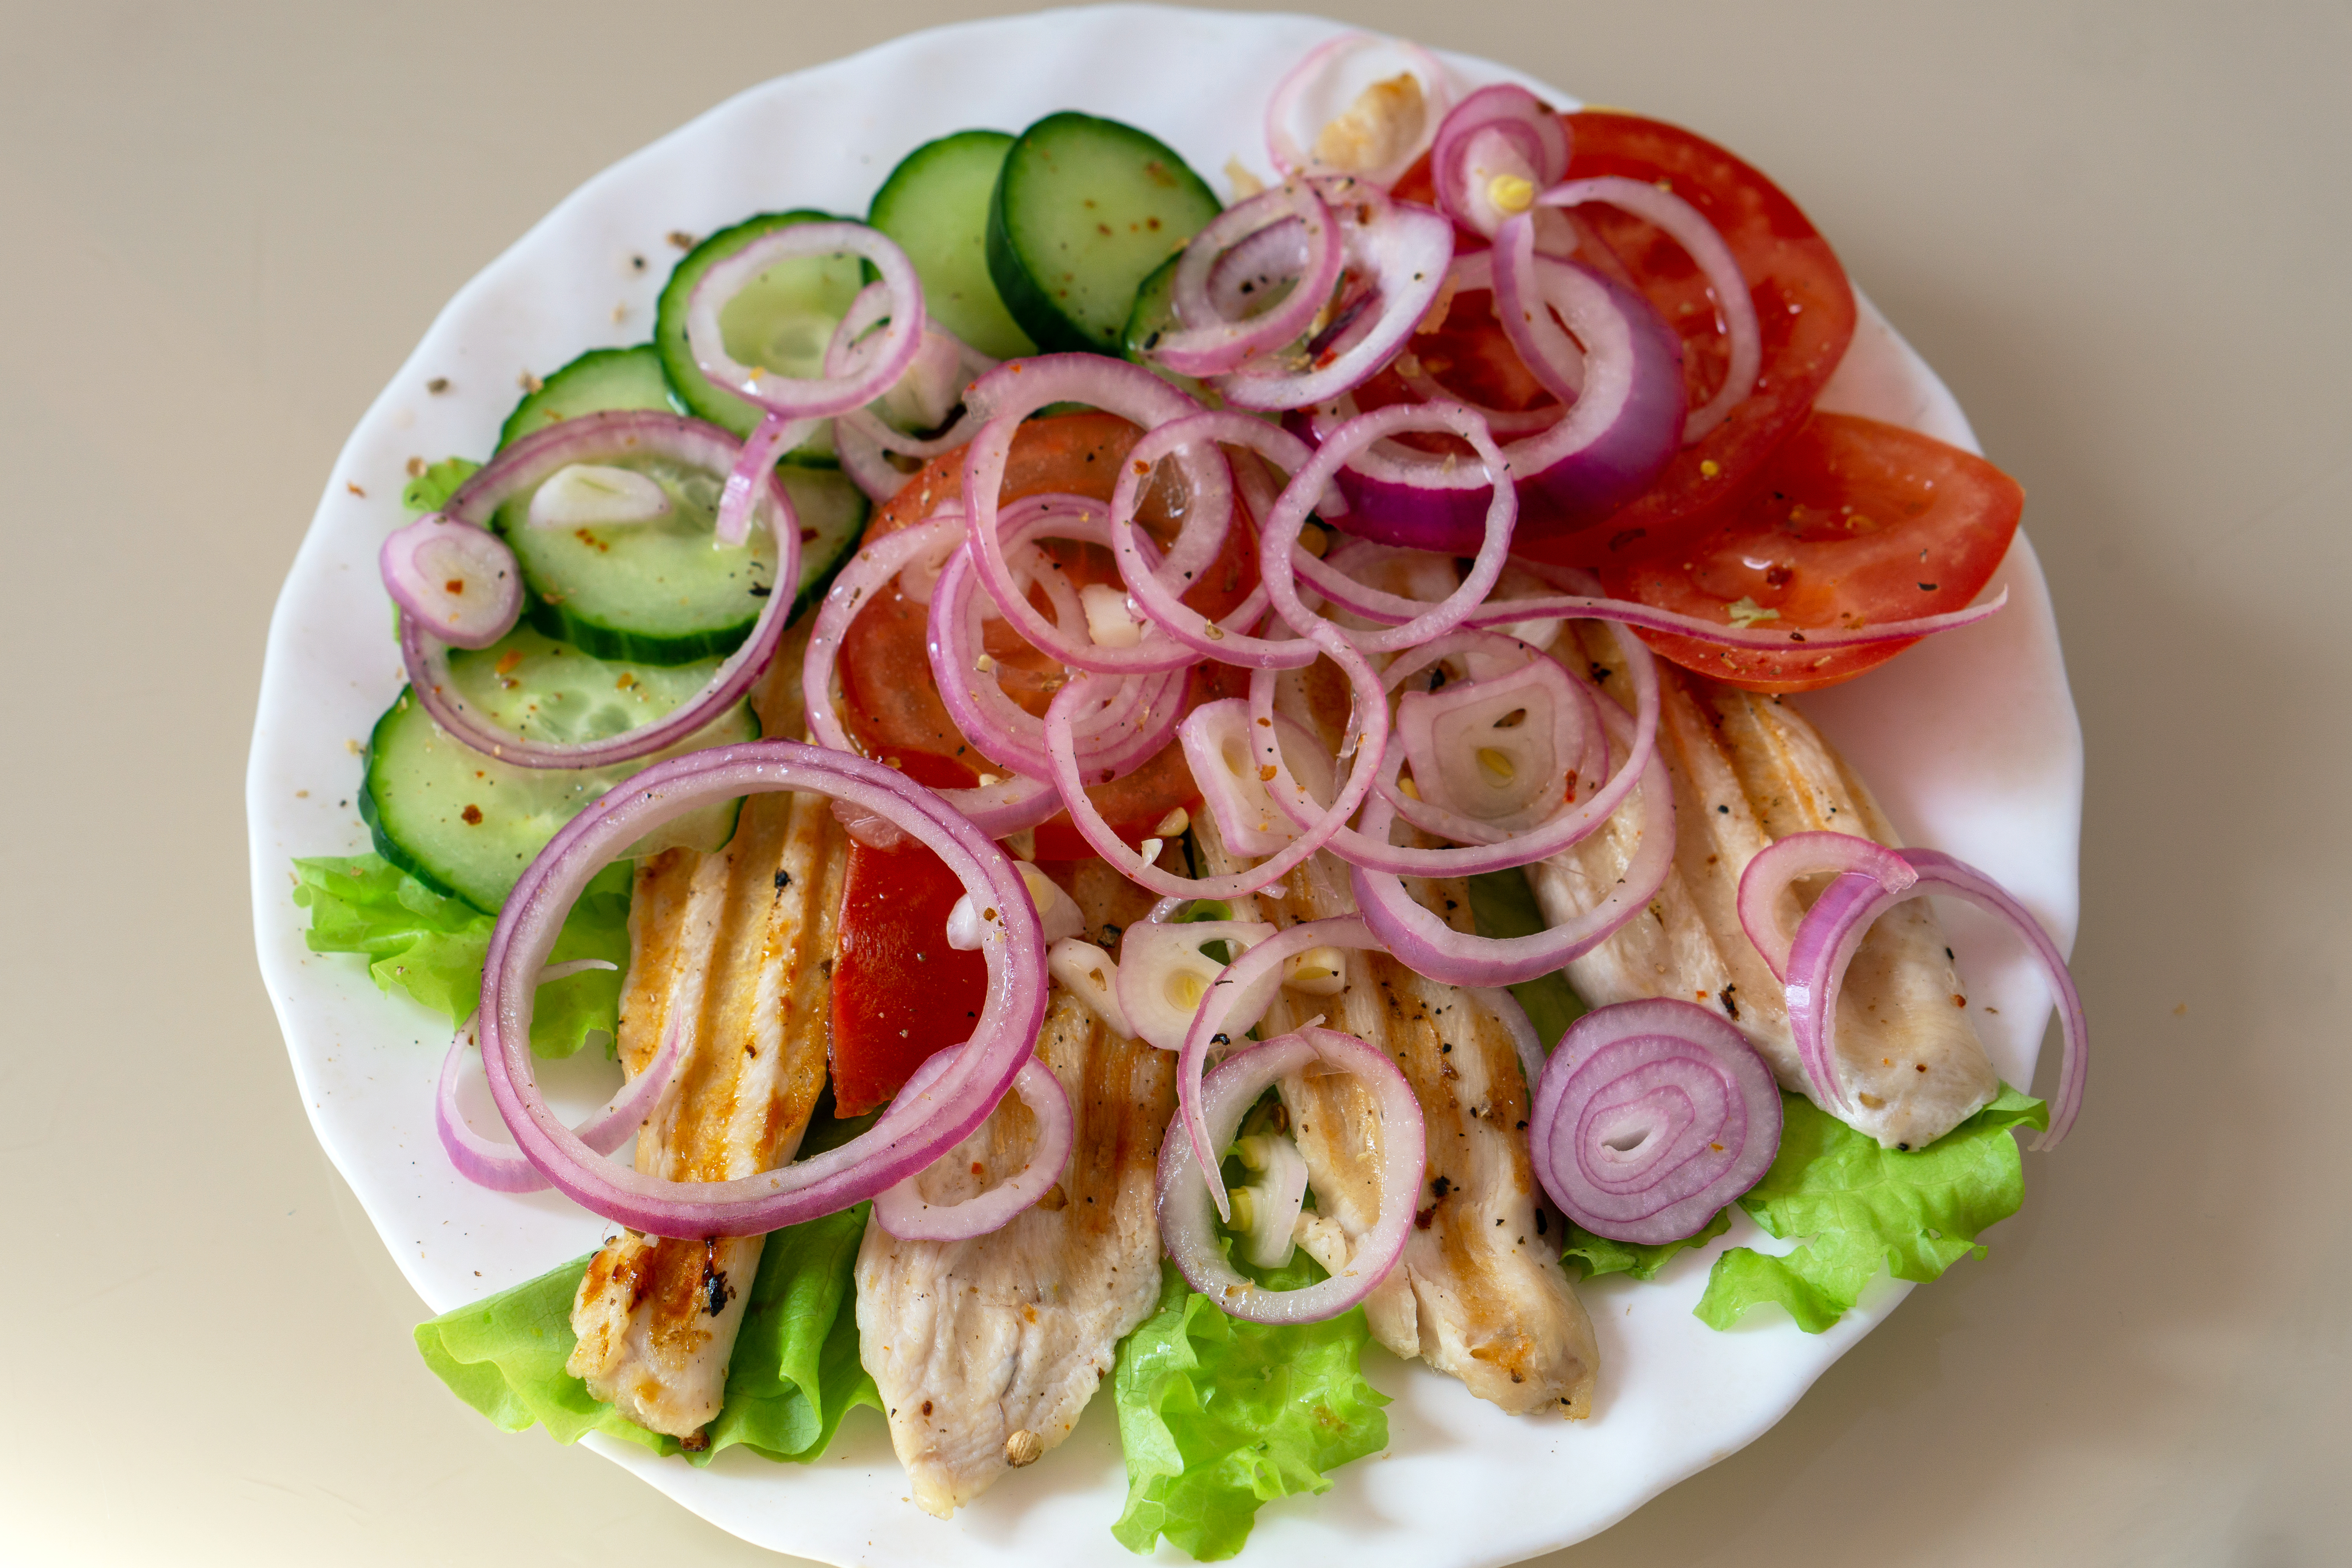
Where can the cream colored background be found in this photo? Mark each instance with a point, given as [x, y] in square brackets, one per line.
[2118, 231]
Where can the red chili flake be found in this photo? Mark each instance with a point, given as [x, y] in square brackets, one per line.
[472, 815]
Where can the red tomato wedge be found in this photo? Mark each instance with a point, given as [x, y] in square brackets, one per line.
[1803, 304]
[899, 992]
[889, 702]
[1850, 523]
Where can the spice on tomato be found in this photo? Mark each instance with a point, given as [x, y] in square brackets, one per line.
[900, 994]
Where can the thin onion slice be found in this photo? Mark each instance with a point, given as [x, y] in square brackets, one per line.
[1003, 1037]
[1164, 978]
[1318, 69]
[1214, 341]
[1224, 761]
[1733, 302]
[1649, 1118]
[902, 1210]
[1834, 929]
[1231, 1008]
[458, 582]
[1766, 883]
[1188, 1225]
[1495, 150]
[597, 438]
[795, 397]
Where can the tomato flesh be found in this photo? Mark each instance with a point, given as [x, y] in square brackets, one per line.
[1851, 522]
[1804, 308]
[900, 994]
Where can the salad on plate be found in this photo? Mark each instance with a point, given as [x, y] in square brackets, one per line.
[1152, 787]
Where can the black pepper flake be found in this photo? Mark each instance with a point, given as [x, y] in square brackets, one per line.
[1439, 1186]
[760, 590]
[1724, 996]
[1904, 1147]
[1725, 809]
[1927, 587]
[784, 880]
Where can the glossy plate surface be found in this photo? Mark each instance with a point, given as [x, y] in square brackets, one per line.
[1970, 740]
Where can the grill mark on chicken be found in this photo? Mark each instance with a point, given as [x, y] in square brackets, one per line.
[1479, 1293]
[734, 943]
[1746, 769]
[986, 1351]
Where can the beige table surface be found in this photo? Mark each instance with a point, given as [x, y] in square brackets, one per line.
[2120, 231]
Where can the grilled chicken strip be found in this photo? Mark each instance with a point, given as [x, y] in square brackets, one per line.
[1747, 770]
[1479, 1294]
[737, 943]
[985, 1351]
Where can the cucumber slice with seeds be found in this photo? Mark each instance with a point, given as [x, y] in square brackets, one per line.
[598, 380]
[781, 321]
[935, 204]
[1083, 212]
[467, 825]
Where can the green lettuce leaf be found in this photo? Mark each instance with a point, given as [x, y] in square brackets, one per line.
[1862, 1208]
[431, 947]
[430, 490]
[1597, 1255]
[1218, 1416]
[794, 1373]
[1502, 904]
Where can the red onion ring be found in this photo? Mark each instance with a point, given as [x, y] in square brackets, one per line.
[1235, 1003]
[1188, 1230]
[1398, 254]
[1649, 1118]
[1498, 130]
[1560, 714]
[1766, 881]
[774, 435]
[1009, 395]
[1143, 957]
[428, 567]
[1008, 805]
[1833, 928]
[795, 397]
[502, 1167]
[901, 1210]
[1217, 748]
[1003, 1038]
[1689, 228]
[588, 437]
[1214, 341]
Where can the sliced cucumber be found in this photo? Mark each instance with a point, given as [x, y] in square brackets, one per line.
[1084, 210]
[1153, 315]
[598, 380]
[668, 592]
[781, 322]
[935, 204]
[467, 824]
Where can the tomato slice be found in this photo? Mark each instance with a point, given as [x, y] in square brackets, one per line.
[1851, 522]
[889, 702]
[1803, 304]
[899, 992]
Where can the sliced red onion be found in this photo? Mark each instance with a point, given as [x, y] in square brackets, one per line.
[1494, 151]
[501, 1166]
[1002, 1038]
[1735, 306]
[1469, 758]
[794, 397]
[1231, 1008]
[1058, 913]
[459, 581]
[1396, 258]
[1214, 340]
[1834, 929]
[1187, 1222]
[900, 1209]
[1224, 760]
[1650, 1116]
[1164, 977]
[1279, 534]
[1155, 589]
[594, 437]
[1314, 75]
[1011, 394]
[1008, 805]
[1764, 897]
[1583, 763]
[753, 478]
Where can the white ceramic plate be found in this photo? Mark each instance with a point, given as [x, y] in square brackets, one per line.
[1969, 739]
